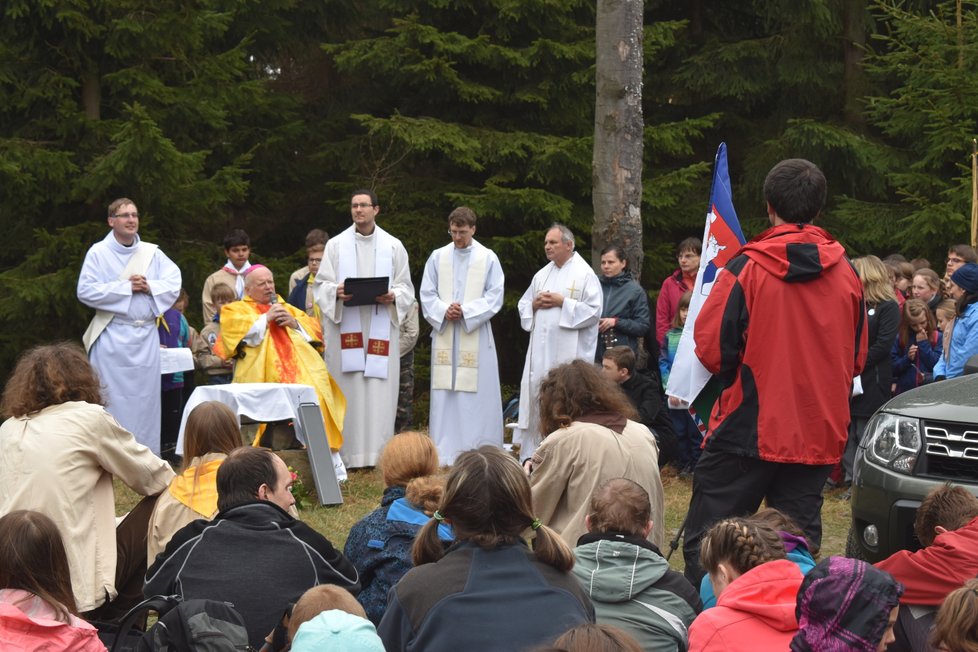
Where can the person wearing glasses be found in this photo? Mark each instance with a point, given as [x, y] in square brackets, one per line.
[958, 255]
[300, 283]
[462, 290]
[362, 344]
[129, 283]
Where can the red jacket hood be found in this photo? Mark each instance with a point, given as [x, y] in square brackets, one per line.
[803, 256]
[768, 593]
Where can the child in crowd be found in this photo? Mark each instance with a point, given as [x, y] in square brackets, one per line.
[595, 638]
[846, 604]
[174, 332]
[218, 370]
[963, 338]
[37, 607]
[793, 539]
[917, 347]
[301, 280]
[956, 626]
[756, 587]
[689, 436]
[237, 247]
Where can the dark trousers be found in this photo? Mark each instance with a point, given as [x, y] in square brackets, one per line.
[726, 485]
[130, 565]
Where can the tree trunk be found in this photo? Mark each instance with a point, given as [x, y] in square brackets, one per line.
[91, 95]
[618, 125]
[854, 20]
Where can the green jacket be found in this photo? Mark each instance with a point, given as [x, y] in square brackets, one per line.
[633, 588]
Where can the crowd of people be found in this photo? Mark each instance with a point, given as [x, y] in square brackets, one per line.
[554, 545]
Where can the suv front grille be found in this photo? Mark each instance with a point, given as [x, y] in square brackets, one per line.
[951, 451]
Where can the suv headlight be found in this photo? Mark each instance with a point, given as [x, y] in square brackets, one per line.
[893, 441]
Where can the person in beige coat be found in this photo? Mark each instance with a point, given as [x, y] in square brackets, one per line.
[211, 433]
[589, 438]
[59, 450]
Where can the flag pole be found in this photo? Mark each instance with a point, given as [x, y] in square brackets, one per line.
[974, 192]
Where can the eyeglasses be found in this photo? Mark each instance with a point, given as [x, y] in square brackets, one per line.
[955, 260]
[458, 234]
[314, 261]
[132, 215]
[361, 205]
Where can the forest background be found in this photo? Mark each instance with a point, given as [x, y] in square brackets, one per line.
[266, 114]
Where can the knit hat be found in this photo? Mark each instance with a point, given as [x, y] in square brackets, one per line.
[966, 278]
[844, 604]
[337, 630]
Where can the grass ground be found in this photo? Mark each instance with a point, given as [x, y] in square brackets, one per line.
[363, 490]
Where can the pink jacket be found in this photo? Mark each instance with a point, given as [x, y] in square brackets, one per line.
[673, 288]
[755, 612]
[40, 631]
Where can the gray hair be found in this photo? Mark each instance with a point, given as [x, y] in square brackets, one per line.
[565, 234]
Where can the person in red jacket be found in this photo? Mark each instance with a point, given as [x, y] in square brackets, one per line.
[784, 330]
[756, 588]
[947, 527]
[676, 285]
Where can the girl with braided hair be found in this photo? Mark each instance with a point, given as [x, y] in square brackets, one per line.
[755, 586]
[489, 591]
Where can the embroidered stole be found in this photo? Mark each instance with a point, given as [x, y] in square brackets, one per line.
[442, 347]
[371, 360]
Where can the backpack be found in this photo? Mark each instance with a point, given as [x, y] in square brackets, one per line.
[184, 626]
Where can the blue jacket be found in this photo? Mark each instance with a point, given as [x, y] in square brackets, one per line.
[964, 344]
[379, 546]
[905, 370]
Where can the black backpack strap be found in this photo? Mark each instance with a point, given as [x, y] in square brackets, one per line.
[158, 603]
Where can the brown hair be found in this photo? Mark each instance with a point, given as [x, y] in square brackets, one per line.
[425, 493]
[222, 292]
[913, 309]
[741, 543]
[318, 599]
[620, 505]
[316, 238]
[117, 204]
[487, 501]
[406, 456]
[622, 356]
[967, 252]
[948, 506]
[575, 389]
[779, 521]
[33, 558]
[929, 275]
[50, 375]
[591, 637]
[211, 428]
[240, 476]
[956, 624]
[683, 303]
[462, 216]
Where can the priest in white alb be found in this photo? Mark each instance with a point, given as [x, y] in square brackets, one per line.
[362, 351]
[129, 283]
[560, 309]
[461, 291]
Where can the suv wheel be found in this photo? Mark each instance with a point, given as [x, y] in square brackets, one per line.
[853, 550]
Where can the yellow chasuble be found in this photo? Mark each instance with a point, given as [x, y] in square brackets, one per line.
[283, 356]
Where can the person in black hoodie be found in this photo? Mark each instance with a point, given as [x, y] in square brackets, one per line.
[645, 393]
[253, 554]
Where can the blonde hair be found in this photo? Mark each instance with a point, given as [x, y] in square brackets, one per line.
[487, 501]
[877, 286]
[956, 624]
